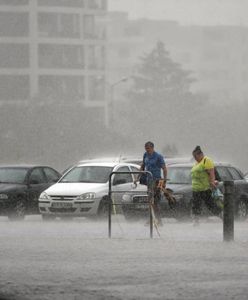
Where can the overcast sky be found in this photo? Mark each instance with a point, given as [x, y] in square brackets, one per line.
[202, 12]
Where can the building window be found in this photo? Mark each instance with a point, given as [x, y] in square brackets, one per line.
[89, 26]
[14, 55]
[63, 88]
[14, 24]
[96, 88]
[14, 2]
[14, 87]
[97, 4]
[96, 57]
[61, 56]
[58, 25]
[100, 27]
[64, 3]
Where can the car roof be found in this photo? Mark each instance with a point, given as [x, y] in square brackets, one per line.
[106, 164]
[216, 164]
[26, 166]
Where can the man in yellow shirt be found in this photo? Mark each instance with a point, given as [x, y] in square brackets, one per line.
[203, 181]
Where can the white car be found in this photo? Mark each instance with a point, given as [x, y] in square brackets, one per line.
[83, 190]
[246, 176]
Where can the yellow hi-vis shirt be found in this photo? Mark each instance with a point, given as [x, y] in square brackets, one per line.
[199, 175]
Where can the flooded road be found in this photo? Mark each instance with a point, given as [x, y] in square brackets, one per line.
[76, 260]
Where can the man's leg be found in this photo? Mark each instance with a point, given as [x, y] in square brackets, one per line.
[157, 198]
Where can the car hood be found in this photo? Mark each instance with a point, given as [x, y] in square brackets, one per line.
[74, 189]
[177, 188]
[9, 187]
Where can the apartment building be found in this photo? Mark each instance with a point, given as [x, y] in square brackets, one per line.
[53, 50]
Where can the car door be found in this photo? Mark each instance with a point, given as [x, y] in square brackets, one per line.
[222, 174]
[240, 184]
[51, 175]
[37, 183]
[121, 183]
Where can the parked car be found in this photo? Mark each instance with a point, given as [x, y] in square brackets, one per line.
[20, 188]
[246, 176]
[179, 181]
[83, 190]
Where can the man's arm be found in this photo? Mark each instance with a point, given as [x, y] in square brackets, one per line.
[164, 168]
[137, 177]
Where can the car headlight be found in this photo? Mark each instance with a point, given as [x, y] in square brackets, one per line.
[178, 196]
[44, 196]
[3, 196]
[86, 196]
[126, 199]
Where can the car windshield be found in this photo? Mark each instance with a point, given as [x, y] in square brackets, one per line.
[91, 174]
[13, 175]
[179, 175]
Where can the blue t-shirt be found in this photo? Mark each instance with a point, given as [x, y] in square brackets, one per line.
[153, 163]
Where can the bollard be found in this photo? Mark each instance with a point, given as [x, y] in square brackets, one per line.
[109, 215]
[228, 217]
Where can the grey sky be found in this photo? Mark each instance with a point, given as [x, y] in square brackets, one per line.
[203, 12]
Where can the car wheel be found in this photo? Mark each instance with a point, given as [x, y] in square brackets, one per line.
[48, 217]
[103, 208]
[242, 210]
[18, 212]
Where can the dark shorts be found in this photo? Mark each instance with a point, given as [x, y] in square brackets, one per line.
[156, 191]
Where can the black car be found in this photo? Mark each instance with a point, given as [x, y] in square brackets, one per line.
[20, 187]
[179, 182]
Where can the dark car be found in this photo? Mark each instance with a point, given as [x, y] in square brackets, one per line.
[21, 186]
[179, 181]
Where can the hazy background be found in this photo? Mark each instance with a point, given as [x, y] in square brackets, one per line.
[186, 12]
[70, 92]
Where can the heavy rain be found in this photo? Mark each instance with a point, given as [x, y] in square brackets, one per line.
[90, 79]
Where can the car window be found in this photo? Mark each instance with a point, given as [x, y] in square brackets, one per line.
[52, 175]
[122, 178]
[12, 175]
[90, 174]
[134, 169]
[179, 175]
[37, 176]
[222, 174]
[235, 174]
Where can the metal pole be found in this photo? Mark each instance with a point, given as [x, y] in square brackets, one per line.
[109, 209]
[228, 218]
[149, 192]
[150, 198]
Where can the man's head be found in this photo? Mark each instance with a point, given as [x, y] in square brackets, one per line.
[149, 147]
[197, 153]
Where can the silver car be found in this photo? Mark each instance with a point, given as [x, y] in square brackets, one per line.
[83, 190]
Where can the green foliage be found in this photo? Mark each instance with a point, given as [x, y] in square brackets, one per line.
[159, 78]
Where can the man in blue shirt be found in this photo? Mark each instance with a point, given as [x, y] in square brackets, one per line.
[154, 163]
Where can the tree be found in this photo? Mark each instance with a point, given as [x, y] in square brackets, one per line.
[159, 78]
[159, 98]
